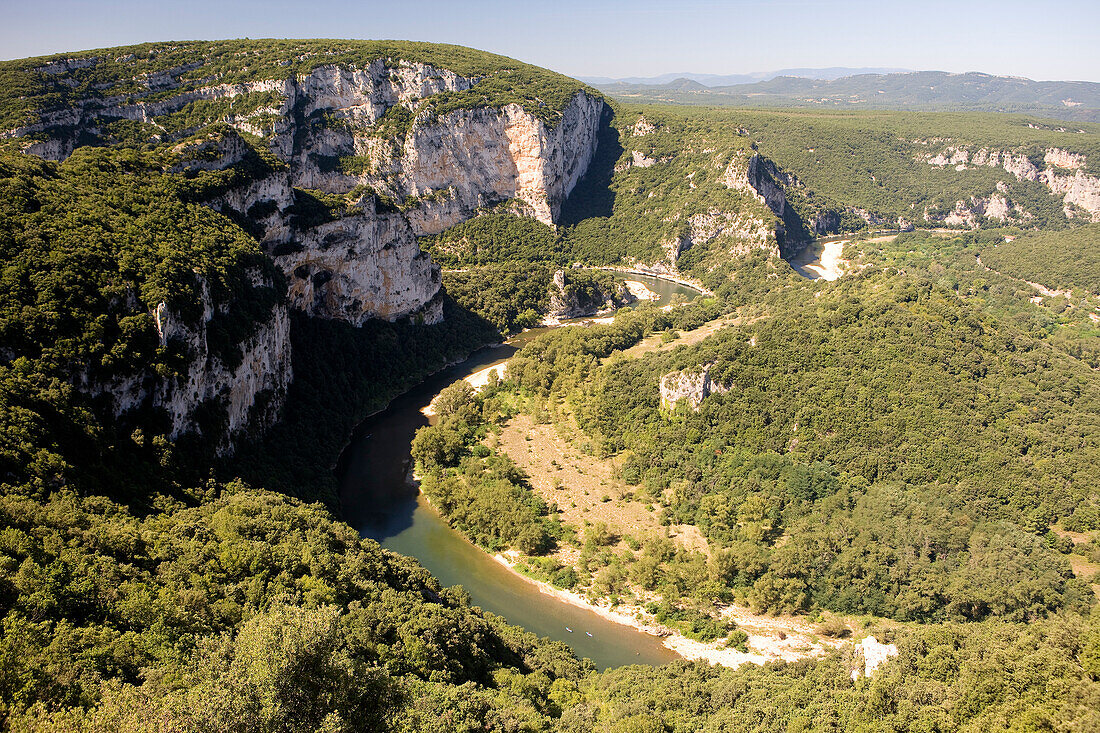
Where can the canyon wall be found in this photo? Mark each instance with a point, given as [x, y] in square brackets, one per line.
[1062, 172]
[336, 172]
[216, 395]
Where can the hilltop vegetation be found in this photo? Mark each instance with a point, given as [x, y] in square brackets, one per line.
[91, 247]
[659, 182]
[876, 161]
[1064, 260]
[152, 72]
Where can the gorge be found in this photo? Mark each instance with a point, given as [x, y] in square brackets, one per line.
[235, 273]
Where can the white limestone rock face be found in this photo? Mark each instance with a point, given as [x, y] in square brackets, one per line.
[872, 654]
[1063, 174]
[485, 156]
[744, 232]
[995, 207]
[264, 369]
[962, 215]
[642, 127]
[361, 267]
[757, 177]
[1078, 190]
[764, 181]
[1064, 159]
[691, 385]
[445, 167]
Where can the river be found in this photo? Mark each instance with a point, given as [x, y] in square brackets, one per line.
[379, 499]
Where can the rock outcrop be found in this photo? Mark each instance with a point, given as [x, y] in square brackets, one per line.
[576, 295]
[745, 230]
[231, 391]
[966, 213]
[763, 179]
[336, 172]
[1063, 174]
[870, 655]
[691, 385]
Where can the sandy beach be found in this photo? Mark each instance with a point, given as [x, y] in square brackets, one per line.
[770, 638]
[640, 291]
[477, 380]
[825, 264]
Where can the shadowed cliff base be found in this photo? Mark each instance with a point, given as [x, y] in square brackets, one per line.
[593, 196]
[343, 374]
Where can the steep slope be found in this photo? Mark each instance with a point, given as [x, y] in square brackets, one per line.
[437, 131]
[335, 156]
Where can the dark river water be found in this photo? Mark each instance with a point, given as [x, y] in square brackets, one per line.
[379, 498]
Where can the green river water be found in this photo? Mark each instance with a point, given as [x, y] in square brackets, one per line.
[380, 499]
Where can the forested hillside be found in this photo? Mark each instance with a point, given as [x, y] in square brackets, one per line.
[1060, 261]
[911, 442]
[910, 450]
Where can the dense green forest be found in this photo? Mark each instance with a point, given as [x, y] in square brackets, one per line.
[912, 447]
[1061, 261]
[811, 449]
[916, 530]
[90, 248]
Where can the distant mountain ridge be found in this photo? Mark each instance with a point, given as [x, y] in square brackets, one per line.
[720, 80]
[914, 90]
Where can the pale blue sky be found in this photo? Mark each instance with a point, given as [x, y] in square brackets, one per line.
[1040, 40]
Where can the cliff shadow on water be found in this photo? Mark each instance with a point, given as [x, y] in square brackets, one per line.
[377, 493]
[342, 375]
[593, 195]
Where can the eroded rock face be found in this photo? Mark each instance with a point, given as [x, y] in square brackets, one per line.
[642, 127]
[484, 156]
[1063, 174]
[1078, 190]
[338, 128]
[763, 180]
[747, 232]
[690, 385]
[966, 213]
[1064, 159]
[758, 178]
[362, 267]
[333, 130]
[248, 391]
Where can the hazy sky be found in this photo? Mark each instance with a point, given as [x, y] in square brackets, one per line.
[1040, 40]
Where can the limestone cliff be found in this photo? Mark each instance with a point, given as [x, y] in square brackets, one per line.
[1063, 173]
[337, 129]
[336, 168]
[768, 184]
[216, 394]
[745, 230]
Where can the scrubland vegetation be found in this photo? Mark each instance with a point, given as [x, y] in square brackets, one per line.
[912, 448]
